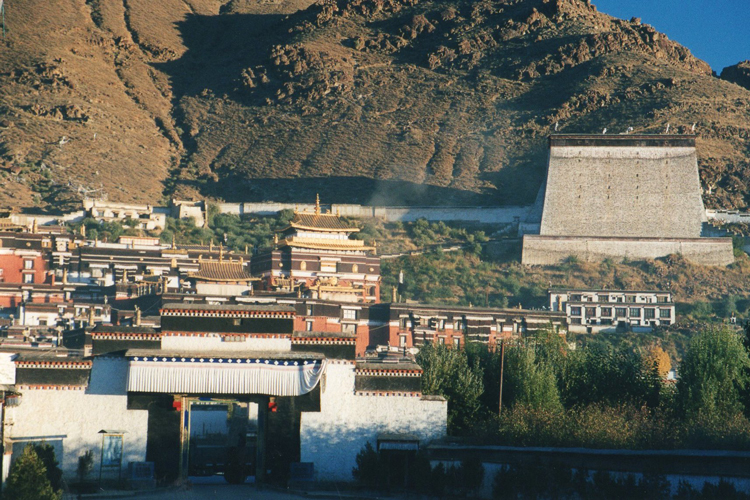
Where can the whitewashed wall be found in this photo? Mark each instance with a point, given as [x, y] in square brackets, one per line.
[332, 437]
[75, 417]
[214, 343]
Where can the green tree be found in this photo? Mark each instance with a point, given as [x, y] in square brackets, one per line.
[529, 380]
[603, 374]
[46, 454]
[448, 373]
[712, 374]
[28, 479]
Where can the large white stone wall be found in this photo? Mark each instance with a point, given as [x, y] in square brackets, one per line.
[73, 418]
[631, 191]
[332, 437]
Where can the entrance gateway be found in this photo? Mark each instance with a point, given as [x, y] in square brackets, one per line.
[224, 399]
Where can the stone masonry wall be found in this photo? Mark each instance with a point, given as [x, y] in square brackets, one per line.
[551, 250]
[638, 191]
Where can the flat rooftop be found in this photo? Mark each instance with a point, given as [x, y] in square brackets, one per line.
[623, 140]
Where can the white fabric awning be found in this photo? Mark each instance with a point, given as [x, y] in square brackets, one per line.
[224, 375]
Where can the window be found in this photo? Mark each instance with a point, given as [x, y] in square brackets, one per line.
[236, 321]
[591, 312]
[663, 299]
[575, 298]
[459, 324]
[606, 311]
[621, 312]
[28, 264]
[603, 298]
[457, 341]
[309, 326]
[635, 312]
[630, 298]
[402, 341]
[349, 328]
[404, 323]
[349, 313]
[308, 311]
[355, 268]
[303, 266]
[665, 313]
[42, 322]
[441, 340]
[649, 313]
[28, 278]
[575, 311]
[575, 321]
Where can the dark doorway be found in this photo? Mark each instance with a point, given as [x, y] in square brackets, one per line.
[222, 440]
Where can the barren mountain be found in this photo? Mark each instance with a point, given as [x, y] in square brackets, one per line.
[384, 101]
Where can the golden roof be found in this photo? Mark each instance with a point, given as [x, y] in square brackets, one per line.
[324, 244]
[222, 270]
[319, 221]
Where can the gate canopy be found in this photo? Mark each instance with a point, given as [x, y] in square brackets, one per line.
[267, 373]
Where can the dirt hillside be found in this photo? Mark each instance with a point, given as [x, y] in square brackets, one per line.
[380, 101]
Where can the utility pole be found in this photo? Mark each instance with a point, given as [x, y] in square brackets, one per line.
[502, 368]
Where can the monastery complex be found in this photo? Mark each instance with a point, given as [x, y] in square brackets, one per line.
[131, 349]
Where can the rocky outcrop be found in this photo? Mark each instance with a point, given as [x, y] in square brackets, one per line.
[739, 74]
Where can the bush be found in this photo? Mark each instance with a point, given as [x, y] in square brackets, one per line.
[370, 469]
[46, 454]
[28, 479]
[85, 465]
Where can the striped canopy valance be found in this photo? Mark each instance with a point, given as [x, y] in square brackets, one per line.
[224, 375]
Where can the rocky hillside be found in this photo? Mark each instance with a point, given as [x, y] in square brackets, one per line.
[381, 101]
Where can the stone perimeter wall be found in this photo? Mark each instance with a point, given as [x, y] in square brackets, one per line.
[621, 191]
[489, 215]
[551, 250]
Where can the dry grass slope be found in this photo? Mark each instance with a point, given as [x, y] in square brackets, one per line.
[385, 101]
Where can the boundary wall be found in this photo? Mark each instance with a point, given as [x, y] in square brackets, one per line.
[489, 215]
[696, 467]
[552, 250]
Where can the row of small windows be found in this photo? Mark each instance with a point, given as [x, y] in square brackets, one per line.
[660, 299]
[622, 312]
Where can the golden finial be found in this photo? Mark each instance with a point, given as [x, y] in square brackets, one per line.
[317, 204]
[211, 245]
[221, 252]
[245, 249]
[174, 246]
[275, 238]
[34, 227]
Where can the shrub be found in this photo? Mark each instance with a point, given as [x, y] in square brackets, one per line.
[85, 465]
[370, 470]
[46, 454]
[28, 479]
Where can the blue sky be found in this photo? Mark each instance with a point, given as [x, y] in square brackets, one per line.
[717, 31]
